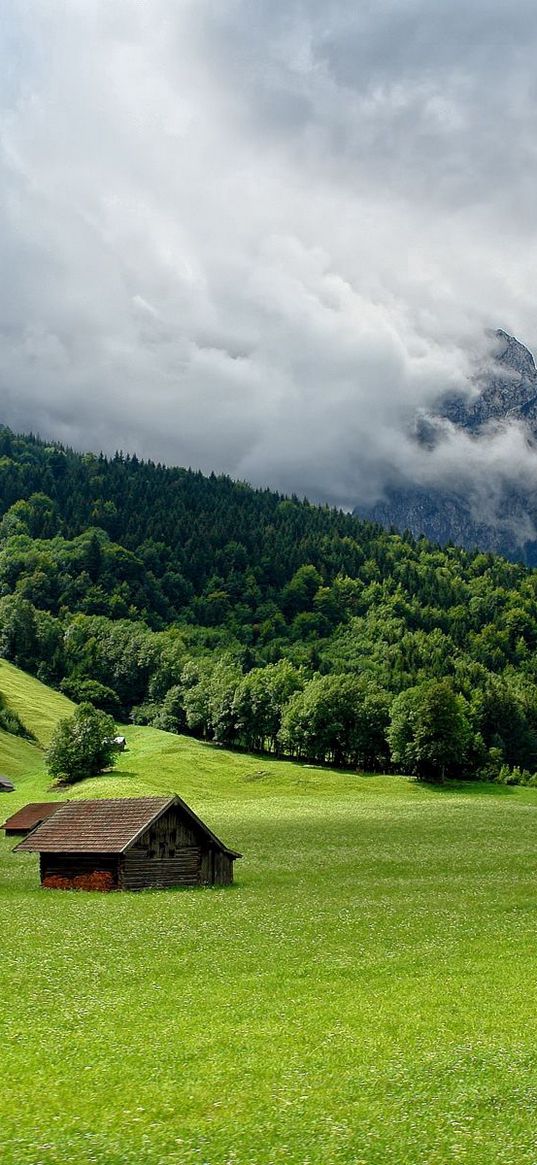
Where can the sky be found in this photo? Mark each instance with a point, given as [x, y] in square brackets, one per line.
[256, 236]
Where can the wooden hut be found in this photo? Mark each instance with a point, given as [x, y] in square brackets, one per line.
[28, 818]
[6, 786]
[128, 844]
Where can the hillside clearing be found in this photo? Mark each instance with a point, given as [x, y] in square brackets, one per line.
[364, 993]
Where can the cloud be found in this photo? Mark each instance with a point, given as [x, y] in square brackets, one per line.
[257, 237]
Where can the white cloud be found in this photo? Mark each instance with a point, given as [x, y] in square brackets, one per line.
[255, 237]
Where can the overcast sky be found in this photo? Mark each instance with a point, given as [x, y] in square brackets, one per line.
[254, 235]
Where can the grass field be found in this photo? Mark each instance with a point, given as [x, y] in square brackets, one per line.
[365, 993]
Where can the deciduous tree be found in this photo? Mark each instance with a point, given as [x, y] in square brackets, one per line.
[429, 731]
[82, 745]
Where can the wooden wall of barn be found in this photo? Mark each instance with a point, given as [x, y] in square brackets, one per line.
[167, 836]
[216, 868]
[138, 873]
[173, 853]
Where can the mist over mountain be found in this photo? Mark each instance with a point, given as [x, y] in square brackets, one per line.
[261, 240]
[475, 466]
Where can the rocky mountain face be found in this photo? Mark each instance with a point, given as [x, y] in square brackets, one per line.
[507, 389]
[505, 394]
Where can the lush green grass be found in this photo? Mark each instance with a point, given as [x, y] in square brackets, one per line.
[38, 706]
[366, 992]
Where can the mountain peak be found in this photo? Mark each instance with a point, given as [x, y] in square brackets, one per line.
[514, 354]
[507, 388]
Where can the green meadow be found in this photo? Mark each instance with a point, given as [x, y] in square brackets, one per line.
[365, 994]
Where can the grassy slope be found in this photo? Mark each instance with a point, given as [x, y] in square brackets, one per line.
[366, 992]
[38, 706]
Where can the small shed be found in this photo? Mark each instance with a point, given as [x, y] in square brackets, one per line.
[6, 786]
[24, 820]
[130, 843]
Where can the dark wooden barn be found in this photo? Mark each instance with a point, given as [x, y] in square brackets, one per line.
[129, 844]
[28, 818]
[6, 786]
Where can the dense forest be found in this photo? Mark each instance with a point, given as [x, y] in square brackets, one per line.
[200, 604]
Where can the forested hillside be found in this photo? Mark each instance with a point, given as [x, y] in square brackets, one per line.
[197, 603]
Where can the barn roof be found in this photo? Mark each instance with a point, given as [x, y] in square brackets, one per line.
[31, 815]
[107, 826]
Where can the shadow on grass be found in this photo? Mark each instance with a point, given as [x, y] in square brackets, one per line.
[467, 788]
[202, 888]
[119, 773]
[91, 784]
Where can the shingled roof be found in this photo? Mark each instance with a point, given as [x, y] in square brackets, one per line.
[108, 826]
[31, 815]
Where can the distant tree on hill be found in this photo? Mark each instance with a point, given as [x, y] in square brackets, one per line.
[260, 699]
[337, 718]
[84, 691]
[171, 717]
[429, 733]
[18, 631]
[82, 745]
